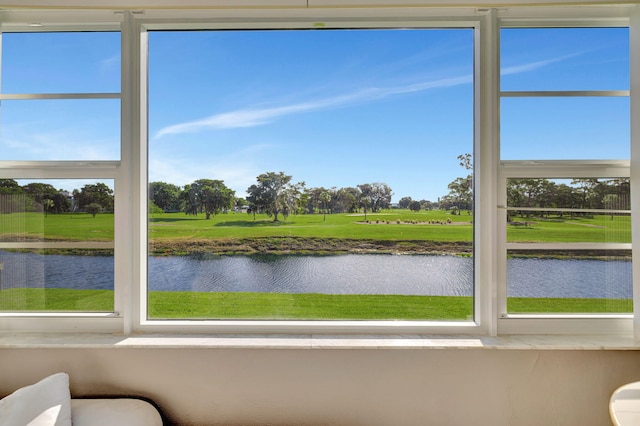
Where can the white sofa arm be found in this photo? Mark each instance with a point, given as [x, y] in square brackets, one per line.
[114, 412]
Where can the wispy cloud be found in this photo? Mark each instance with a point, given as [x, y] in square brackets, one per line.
[532, 66]
[252, 117]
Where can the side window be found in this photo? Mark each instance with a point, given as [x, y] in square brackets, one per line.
[565, 171]
[59, 155]
[311, 174]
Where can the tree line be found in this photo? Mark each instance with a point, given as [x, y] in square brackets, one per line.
[43, 197]
[590, 193]
[276, 195]
[273, 194]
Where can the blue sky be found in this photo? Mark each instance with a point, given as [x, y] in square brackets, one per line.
[331, 108]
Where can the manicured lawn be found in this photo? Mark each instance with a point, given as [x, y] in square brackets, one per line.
[38, 299]
[601, 228]
[524, 305]
[64, 226]
[196, 305]
[307, 306]
[399, 225]
[381, 226]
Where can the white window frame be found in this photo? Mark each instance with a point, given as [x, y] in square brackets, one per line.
[555, 323]
[70, 321]
[534, 168]
[130, 173]
[478, 326]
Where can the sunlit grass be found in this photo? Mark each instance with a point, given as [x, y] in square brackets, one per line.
[63, 226]
[266, 306]
[280, 306]
[392, 224]
[54, 299]
[533, 305]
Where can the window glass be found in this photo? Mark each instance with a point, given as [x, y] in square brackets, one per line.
[562, 281]
[78, 129]
[564, 59]
[587, 278]
[56, 245]
[595, 128]
[579, 210]
[76, 62]
[289, 170]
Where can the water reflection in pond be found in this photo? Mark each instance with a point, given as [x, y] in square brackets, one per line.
[344, 274]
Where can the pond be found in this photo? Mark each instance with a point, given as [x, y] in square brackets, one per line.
[340, 274]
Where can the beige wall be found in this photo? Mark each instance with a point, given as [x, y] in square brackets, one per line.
[344, 387]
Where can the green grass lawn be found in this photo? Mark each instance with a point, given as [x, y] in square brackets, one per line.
[64, 226]
[381, 226]
[600, 228]
[54, 299]
[267, 306]
[388, 225]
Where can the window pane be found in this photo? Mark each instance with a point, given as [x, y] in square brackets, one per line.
[595, 279]
[283, 193]
[606, 215]
[565, 128]
[79, 62]
[60, 130]
[56, 245]
[564, 59]
[56, 280]
[569, 282]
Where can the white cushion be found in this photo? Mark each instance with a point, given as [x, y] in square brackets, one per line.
[114, 412]
[46, 403]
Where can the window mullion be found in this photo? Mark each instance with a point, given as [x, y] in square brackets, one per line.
[634, 39]
[128, 217]
[485, 172]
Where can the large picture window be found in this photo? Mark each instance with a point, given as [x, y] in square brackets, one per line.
[311, 174]
[405, 170]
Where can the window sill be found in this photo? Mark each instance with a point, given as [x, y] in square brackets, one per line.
[157, 341]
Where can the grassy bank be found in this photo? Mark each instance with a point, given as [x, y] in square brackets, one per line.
[300, 245]
[196, 305]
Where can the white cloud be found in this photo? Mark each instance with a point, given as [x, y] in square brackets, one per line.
[252, 117]
[260, 116]
[532, 66]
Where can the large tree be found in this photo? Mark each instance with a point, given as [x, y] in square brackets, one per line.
[47, 198]
[345, 200]
[165, 195]
[379, 195]
[404, 202]
[10, 186]
[272, 194]
[207, 196]
[98, 193]
[12, 197]
[461, 189]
